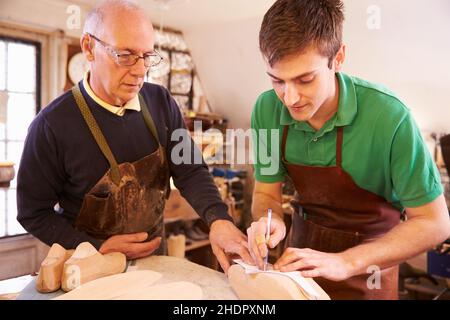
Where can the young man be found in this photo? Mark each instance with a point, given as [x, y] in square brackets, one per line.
[102, 151]
[354, 154]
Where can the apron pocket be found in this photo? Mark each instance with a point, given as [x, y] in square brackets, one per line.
[307, 234]
[97, 216]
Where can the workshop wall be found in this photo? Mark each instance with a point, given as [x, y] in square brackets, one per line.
[402, 44]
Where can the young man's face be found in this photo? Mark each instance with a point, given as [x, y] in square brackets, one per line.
[304, 83]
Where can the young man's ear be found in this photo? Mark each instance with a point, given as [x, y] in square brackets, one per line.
[87, 47]
[339, 59]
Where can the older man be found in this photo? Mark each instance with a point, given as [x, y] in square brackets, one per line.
[100, 153]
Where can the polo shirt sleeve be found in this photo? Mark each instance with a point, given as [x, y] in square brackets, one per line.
[415, 177]
[266, 141]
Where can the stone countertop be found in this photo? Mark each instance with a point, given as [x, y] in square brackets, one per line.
[214, 284]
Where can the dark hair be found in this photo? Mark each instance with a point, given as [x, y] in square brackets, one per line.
[291, 26]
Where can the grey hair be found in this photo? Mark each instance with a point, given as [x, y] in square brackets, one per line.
[94, 19]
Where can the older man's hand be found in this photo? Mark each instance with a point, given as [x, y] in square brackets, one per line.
[228, 241]
[134, 246]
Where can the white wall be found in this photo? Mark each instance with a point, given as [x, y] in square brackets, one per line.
[230, 67]
[47, 15]
[410, 53]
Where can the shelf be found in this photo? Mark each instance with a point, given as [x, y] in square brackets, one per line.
[197, 244]
[428, 289]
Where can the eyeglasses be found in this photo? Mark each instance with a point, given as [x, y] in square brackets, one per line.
[130, 59]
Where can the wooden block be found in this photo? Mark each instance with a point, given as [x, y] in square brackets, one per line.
[50, 272]
[87, 264]
[176, 246]
[268, 286]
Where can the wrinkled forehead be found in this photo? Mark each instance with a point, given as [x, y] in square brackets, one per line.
[128, 31]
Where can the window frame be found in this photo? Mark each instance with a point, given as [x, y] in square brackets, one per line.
[38, 98]
[38, 70]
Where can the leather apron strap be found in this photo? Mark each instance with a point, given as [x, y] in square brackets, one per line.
[148, 119]
[97, 133]
[339, 141]
[151, 125]
[100, 138]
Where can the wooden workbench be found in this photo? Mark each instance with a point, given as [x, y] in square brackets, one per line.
[214, 284]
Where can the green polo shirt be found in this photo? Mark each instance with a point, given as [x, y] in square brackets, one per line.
[383, 150]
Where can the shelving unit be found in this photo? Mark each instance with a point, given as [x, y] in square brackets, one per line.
[178, 216]
[197, 244]
[177, 71]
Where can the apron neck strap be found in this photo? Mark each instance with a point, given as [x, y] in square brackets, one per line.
[283, 143]
[148, 119]
[151, 126]
[97, 133]
[339, 141]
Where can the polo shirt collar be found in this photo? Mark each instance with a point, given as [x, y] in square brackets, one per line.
[133, 104]
[347, 108]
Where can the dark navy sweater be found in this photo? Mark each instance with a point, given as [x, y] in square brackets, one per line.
[61, 162]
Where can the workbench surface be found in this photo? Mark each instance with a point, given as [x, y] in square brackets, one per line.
[214, 284]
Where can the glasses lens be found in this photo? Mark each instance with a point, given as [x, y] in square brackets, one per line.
[127, 59]
[131, 59]
[152, 60]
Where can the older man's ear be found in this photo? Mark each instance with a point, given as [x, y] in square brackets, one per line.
[87, 47]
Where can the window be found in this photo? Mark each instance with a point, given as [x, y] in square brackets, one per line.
[19, 103]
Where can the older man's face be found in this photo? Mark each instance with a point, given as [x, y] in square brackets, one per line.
[128, 33]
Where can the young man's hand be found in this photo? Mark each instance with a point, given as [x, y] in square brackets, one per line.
[311, 263]
[132, 245]
[256, 234]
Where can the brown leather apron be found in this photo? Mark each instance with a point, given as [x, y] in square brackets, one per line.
[332, 214]
[130, 197]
